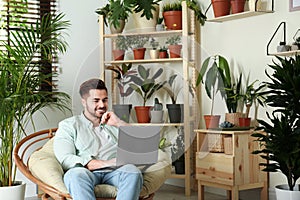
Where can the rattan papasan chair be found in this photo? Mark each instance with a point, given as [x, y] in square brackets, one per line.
[36, 160]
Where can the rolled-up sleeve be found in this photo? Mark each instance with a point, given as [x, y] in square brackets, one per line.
[65, 149]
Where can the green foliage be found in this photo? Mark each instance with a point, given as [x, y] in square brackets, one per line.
[121, 42]
[174, 6]
[173, 40]
[157, 105]
[145, 85]
[124, 74]
[137, 41]
[121, 9]
[20, 81]
[281, 144]
[154, 44]
[217, 74]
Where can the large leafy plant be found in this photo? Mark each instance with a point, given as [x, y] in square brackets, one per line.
[146, 85]
[20, 83]
[280, 135]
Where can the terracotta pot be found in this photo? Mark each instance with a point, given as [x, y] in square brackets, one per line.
[118, 54]
[244, 122]
[142, 113]
[139, 53]
[233, 117]
[163, 54]
[221, 7]
[173, 20]
[175, 51]
[237, 6]
[212, 121]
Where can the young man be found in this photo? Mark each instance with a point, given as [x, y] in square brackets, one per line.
[87, 142]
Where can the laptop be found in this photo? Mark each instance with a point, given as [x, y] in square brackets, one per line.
[138, 145]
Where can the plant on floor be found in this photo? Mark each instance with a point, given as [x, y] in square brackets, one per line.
[279, 135]
[21, 80]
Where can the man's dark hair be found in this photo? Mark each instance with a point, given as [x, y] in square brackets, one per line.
[91, 84]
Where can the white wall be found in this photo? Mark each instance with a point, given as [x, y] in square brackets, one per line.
[242, 41]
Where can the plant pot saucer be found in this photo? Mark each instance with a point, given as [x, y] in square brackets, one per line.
[232, 128]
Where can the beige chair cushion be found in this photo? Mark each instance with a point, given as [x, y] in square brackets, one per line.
[44, 165]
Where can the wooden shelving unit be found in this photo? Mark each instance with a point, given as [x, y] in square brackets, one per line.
[190, 35]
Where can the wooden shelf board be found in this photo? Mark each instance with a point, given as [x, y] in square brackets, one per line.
[238, 16]
[154, 33]
[156, 124]
[161, 60]
[286, 53]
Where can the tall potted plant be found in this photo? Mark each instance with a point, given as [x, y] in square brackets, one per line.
[280, 134]
[20, 83]
[145, 85]
[211, 71]
[124, 74]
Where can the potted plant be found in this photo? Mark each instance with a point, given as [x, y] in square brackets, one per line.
[174, 46]
[118, 11]
[156, 112]
[210, 71]
[20, 85]
[237, 6]
[221, 7]
[115, 19]
[163, 52]
[177, 150]
[137, 43]
[175, 110]
[252, 96]
[172, 13]
[124, 74]
[280, 133]
[154, 52]
[120, 46]
[145, 85]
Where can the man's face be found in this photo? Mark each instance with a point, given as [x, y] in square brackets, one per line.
[95, 105]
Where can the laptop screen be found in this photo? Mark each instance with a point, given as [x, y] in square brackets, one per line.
[138, 145]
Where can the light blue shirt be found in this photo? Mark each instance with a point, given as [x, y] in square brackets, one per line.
[76, 142]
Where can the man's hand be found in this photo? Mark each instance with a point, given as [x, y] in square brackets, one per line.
[98, 164]
[111, 118]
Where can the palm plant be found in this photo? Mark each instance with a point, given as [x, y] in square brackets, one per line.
[20, 83]
[281, 141]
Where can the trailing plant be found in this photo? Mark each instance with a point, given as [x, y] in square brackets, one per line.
[124, 74]
[21, 80]
[145, 85]
[280, 136]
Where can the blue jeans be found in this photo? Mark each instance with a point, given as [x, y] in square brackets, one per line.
[80, 182]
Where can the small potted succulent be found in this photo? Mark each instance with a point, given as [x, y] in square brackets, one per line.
[124, 74]
[174, 46]
[154, 52]
[137, 44]
[163, 52]
[157, 113]
[146, 86]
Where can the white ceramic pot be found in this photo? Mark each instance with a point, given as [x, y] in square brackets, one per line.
[283, 193]
[154, 53]
[252, 5]
[156, 116]
[142, 24]
[16, 192]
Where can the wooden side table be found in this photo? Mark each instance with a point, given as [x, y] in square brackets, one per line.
[224, 160]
